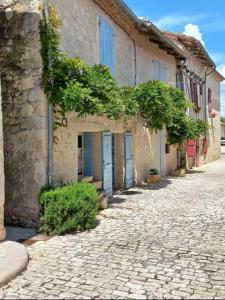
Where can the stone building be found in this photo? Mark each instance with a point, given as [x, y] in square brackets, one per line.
[112, 154]
[201, 82]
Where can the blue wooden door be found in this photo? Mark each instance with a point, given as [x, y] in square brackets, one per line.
[128, 160]
[107, 164]
[88, 154]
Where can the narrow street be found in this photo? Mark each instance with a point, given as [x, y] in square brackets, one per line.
[164, 241]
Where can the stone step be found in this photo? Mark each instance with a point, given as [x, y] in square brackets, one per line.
[103, 203]
[98, 184]
[103, 200]
[86, 179]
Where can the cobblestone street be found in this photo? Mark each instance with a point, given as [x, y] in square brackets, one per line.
[163, 241]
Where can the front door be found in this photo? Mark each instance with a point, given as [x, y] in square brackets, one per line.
[88, 154]
[107, 164]
[128, 161]
[80, 155]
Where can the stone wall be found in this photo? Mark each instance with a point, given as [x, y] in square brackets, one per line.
[2, 177]
[24, 115]
[214, 148]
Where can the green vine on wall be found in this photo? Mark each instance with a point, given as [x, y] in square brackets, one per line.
[73, 86]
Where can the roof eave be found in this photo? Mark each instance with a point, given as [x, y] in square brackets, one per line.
[141, 26]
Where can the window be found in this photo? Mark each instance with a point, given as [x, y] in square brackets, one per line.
[106, 45]
[159, 71]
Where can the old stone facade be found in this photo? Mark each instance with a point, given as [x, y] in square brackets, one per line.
[214, 149]
[24, 108]
[138, 49]
[134, 63]
[199, 72]
[2, 176]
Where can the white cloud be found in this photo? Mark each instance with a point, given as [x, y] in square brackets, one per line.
[172, 20]
[221, 69]
[193, 30]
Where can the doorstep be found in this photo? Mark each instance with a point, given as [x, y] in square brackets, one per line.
[13, 260]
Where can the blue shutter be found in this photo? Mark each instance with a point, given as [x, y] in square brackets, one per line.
[106, 45]
[107, 164]
[163, 73]
[128, 160]
[88, 154]
[156, 70]
[159, 71]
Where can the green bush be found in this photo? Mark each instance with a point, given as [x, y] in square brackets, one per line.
[69, 208]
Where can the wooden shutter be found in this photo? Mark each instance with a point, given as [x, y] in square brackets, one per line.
[191, 148]
[205, 146]
[159, 71]
[106, 45]
[156, 69]
[209, 101]
[196, 93]
[163, 72]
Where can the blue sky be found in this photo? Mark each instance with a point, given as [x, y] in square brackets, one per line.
[204, 19]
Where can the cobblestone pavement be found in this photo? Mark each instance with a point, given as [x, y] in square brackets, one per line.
[164, 241]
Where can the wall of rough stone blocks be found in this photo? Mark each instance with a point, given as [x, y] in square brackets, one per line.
[2, 175]
[24, 116]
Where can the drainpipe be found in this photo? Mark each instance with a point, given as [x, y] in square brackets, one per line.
[50, 115]
[135, 62]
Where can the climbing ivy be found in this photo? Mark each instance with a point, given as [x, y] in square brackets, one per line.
[73, 86]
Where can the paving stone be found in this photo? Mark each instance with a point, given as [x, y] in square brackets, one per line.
[165, 242]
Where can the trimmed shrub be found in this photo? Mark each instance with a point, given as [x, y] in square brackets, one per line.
[69, 208]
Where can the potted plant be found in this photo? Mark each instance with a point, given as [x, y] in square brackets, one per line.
[153, 176]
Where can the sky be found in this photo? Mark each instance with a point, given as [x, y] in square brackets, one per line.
[203, 19]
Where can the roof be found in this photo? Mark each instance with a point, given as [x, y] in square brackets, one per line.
[220, 75]
[123, 16]
[158, 37]
[194, 45]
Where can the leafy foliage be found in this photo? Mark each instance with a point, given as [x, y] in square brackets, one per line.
[153, 172]
[70, 208]
[72, 85]
[155, 103]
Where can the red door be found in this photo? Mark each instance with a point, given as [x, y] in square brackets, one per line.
[197, 162]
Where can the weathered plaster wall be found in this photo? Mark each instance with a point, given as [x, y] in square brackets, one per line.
[2, 176]
[66, 149]
[24, 115]
[80, 37]
[214, 148]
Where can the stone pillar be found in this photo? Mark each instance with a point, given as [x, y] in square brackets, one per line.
[25, 116]
[2, 178]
